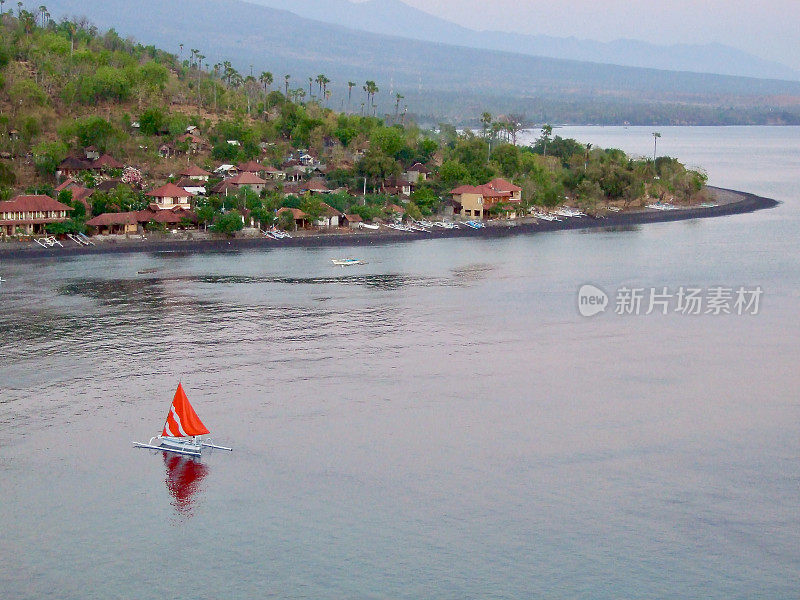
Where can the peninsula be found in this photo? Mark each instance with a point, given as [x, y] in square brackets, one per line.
[108, 144]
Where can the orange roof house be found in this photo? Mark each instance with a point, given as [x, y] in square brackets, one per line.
[31, 213]
[476, 200]
[169, 196]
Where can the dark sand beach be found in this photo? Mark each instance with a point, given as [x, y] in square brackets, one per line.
[729, 202]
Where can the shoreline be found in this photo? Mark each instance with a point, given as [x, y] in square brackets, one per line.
[730, 202]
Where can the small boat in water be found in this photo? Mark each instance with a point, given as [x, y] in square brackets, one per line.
[347, 262]
[182, 430]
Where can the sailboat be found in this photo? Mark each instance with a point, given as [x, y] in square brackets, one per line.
[182, 430]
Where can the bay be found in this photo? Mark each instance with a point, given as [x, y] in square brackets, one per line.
[440, 422]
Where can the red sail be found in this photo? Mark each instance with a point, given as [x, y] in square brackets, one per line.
[182, 421]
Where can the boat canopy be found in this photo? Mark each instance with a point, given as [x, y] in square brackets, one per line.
[182, 421]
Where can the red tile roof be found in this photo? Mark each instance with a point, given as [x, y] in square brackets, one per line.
[68, 182]
[465, 189]
[251, 166]
[354, 218]
[195, 171]
[106, 219]
[247, 178]
[34, 203]
[107, 161]
[170, 190]
[296, 212]
[502, 185]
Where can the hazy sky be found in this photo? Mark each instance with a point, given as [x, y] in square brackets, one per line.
[767, 28]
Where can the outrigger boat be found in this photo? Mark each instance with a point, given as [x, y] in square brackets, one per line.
[182, 430]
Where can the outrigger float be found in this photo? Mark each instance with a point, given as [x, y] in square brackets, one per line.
[182, 430]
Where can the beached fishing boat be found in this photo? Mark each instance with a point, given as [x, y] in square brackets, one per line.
[182, 430]
[475, 224]
[346, 262]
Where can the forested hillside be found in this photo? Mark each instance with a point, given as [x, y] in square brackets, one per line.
[70, 91]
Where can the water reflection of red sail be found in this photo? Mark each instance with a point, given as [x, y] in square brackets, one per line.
[184, 475]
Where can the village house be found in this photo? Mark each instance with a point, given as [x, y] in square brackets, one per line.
[193, 143]
[416, 173]
[352, 221]
[170, 196]
[247, 180]
[274, 174]
[133, 222]
[476, 201]
[106, 162]
[79, 193]
[31, 213]
[72, 166]
[226, 171]
[330, 217]
[300, 218]
[396, 186]
[192, 186]
[251, 166]
[195, 173]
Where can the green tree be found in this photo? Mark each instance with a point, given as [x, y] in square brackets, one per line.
[26, 92]
[48, 155]
[229, 223]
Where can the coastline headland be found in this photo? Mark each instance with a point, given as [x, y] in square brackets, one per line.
[728, 202]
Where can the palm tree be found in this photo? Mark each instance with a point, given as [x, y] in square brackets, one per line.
[486, 121]
[286, 81]
[266, 80]
[181, 54]
[2, 2]
[42, 13]
[310, 81]
[397, 99]
[19, 9]
[350, 86]
[656, 135]
[547, 131]
[371, 89]
[586, 157]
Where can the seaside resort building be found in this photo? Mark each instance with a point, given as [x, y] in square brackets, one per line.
[476, 200]
[30, 214]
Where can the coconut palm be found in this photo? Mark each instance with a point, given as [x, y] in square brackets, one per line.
[286, 81]
[350, 86]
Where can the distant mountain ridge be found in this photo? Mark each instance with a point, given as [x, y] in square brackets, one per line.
[394, 17]
[438, 80]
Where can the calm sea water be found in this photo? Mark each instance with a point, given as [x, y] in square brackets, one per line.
[439, 423]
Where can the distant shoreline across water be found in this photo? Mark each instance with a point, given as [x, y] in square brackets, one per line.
[730, 202]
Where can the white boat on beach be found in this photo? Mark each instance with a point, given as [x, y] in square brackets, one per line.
[566, 211]
[475, 224]
[48, 242]
[370, 226]
[398, 227]
[662, 206]
[183, 430]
